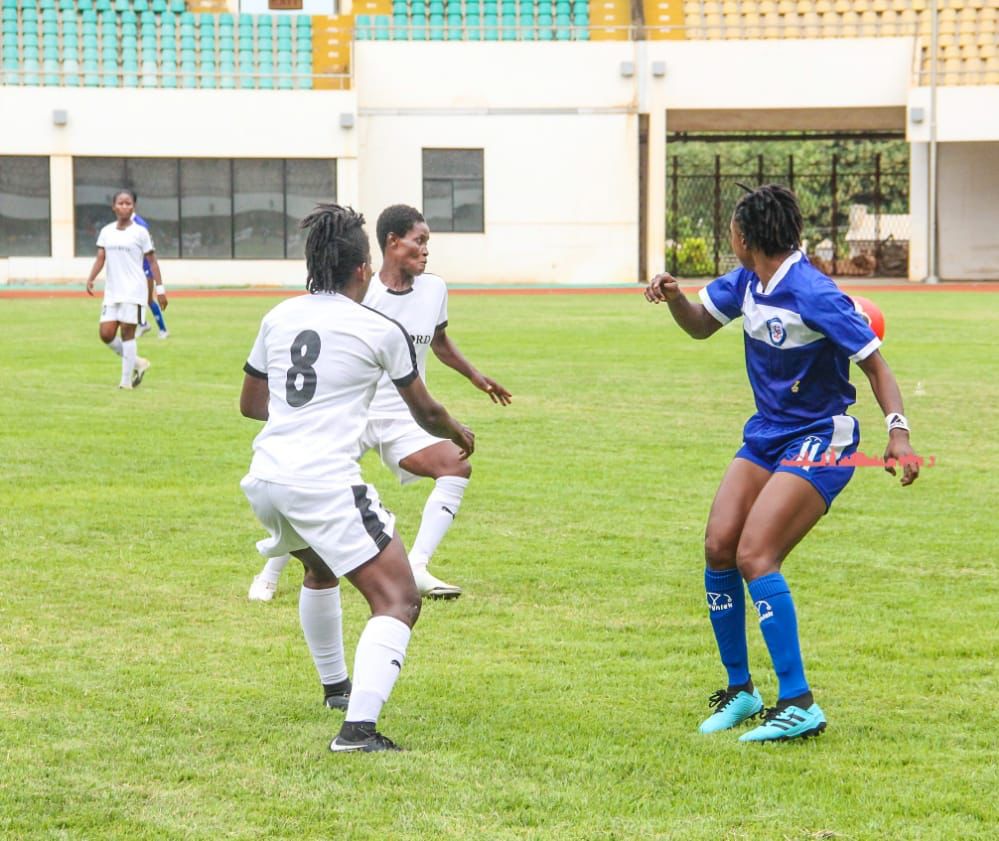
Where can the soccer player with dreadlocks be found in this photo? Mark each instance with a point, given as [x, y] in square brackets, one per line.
[311, 375]
[800, 334]
[403, 290]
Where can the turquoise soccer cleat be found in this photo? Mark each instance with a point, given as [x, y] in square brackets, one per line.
[783, 723]
[732, 708]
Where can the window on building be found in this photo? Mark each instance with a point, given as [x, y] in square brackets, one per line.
[307, 183]
[203, 207]
[453, 195]
[25, 216]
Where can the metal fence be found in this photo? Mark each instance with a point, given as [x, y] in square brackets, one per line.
[856, 220]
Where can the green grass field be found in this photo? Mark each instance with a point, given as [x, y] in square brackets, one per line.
[143, 697]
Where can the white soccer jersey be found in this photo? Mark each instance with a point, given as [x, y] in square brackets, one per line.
[124, 251]
[420, 310]
[322, 356]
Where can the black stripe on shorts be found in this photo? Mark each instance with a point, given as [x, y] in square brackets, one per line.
[372, 525]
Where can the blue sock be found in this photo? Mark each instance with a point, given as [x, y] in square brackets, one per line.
[154, 308]
[727, 609]
[779, 625]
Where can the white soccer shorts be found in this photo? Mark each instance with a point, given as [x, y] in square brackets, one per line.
[394, 439]
[122, 313]
[346, 525]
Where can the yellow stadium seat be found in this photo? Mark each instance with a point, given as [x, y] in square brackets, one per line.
[786, 7]
[765, 7]
[901, 5]
[823, 6]
[843, 6]
[880, 5]
[730, 7]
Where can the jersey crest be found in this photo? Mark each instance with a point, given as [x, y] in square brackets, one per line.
[777, 332]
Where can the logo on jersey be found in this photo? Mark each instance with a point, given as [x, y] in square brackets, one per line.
[764, 609]
[777, 332]
[421, 340]
[719, 601]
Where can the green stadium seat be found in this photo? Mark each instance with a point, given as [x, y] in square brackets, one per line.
[158, 6]
[27, 5]
[362, 28]
[46, 4]
[178, 7]
[102, 5]
[9, 4]
[381, 27]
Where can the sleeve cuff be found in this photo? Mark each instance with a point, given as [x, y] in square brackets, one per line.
[709, 305]
[253, 372]
[866, 350]
[402, 382]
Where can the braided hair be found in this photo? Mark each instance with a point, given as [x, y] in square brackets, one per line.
[336, 245]
[769, 219]
[127, 191]
[396, 219]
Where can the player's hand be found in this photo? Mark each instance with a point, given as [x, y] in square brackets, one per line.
[900, 453]
[496, 392]
[162, 301]
[90, 287]
[464, 439]
[663, 287]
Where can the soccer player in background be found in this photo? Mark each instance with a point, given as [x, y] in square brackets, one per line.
[311, 375]
[122, 245]
[800, 334]
[404, 291]
[154, 307]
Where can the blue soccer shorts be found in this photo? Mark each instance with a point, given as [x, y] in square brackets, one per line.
[812, 451]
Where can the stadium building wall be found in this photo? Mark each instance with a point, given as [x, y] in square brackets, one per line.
[558, 125]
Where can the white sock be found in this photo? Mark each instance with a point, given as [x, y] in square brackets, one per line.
[272, 570]
[322, 624]
[115, 345]
[381, 651]
[128, 355]
[438, 514]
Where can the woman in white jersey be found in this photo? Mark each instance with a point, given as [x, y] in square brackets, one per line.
[122, 246]
[404, 291]
[311, 375]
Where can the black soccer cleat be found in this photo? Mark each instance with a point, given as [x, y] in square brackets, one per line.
[361, 736]
[337, 695]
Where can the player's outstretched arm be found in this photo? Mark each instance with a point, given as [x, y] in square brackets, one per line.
[96, 270]
[889, 397]
[693, 318]
[254, 397]
[447, 352]
[434, 418]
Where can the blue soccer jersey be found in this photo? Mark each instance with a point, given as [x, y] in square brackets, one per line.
[800, 334]
[145, 263]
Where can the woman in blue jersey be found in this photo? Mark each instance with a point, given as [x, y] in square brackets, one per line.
[801, 333]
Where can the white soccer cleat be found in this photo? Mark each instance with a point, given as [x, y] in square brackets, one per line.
[142, 329]
[164, 334]
[433, 588]
[125, 386]
[141, 366]
[261, 590]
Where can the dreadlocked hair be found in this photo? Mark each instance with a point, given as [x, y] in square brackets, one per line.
[336, 245]
[396, 219]
[769, 219]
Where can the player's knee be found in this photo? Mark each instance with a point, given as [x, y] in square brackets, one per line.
[755, 561]
[409, 605]
[719, 551]
[461, 469]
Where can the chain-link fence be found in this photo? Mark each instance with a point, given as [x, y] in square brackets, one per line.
[856, 218]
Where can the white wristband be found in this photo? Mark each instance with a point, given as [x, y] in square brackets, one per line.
[160, 289]
[896, 421]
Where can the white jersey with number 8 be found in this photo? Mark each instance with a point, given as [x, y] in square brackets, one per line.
[322, 356]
